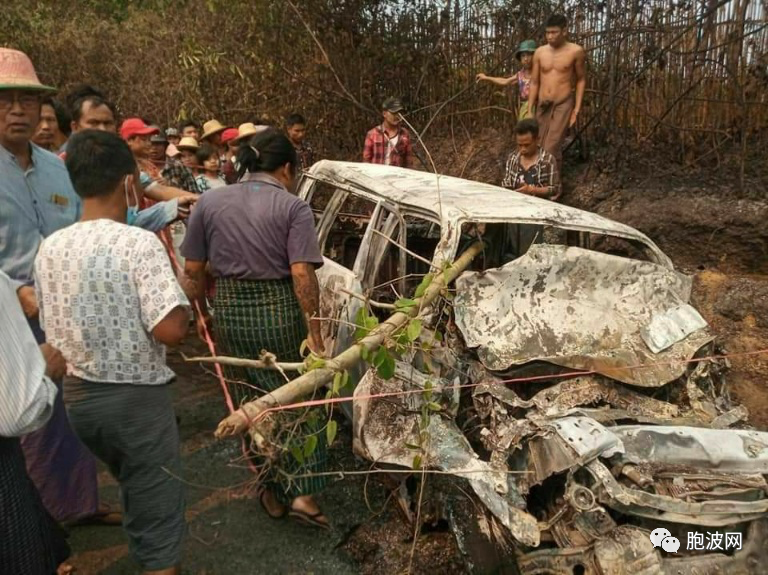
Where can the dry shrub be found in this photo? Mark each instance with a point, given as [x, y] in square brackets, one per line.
[667, 73]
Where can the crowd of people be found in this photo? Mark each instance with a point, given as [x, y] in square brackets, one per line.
[113, 237]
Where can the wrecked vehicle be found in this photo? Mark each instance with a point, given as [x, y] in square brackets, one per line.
[565, 378]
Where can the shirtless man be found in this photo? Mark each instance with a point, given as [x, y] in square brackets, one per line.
[556, 66]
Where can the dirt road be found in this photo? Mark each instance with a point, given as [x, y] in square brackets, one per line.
[228, 531]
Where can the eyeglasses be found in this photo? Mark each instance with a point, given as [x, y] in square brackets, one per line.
[27, 100]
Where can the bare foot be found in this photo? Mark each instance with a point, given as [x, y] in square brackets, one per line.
[271, 505]
[65, 569]
[306, 510]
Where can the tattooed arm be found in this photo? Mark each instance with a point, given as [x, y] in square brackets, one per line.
[307, 291]
[193, 283]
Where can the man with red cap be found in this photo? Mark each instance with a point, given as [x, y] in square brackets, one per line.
[138, 135]
[228, 169]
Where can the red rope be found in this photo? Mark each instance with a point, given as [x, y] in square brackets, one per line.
[318, 402]
[208, 340]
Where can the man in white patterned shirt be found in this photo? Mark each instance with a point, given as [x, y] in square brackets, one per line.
[109, 301]
[531, 169]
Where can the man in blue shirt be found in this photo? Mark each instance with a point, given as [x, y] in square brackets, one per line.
[36, 200]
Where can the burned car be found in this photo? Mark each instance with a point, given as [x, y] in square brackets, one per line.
[567, 379]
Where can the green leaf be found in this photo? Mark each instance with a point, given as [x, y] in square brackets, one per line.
[330, 431]
[345, 379]
[316, 364]
[404, 303]
[416, 462]
[433, 406]
[297, 454]
[413, 446]
[438, 336]
[413, 331]
[365, 354]
[386, 369]
[422, 287]
[310, 445]
[336, 383]
[361, 321]
[381, 355]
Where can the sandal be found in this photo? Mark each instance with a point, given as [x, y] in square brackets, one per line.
[261, 494]
[311, 519]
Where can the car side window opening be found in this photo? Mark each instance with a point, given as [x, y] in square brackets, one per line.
[506, 242]
[341, 219]
[398, 258]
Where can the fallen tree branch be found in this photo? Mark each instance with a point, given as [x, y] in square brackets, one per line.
[249, 413]
[239, 362]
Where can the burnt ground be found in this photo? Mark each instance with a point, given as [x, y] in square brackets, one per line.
[697, 215]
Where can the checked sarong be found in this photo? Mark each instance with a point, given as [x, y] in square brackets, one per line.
[256, 315]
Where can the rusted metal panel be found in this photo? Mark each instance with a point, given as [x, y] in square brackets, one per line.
[578, 309]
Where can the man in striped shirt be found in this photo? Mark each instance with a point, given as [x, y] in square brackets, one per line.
[531, 169]
[30, 540]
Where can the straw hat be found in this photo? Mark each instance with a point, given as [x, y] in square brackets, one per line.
[247, 130]
[212, 127]
[17, 71]
[188, 143]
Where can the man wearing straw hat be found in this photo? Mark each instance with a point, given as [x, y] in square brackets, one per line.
[37, 200]
[243, 132]
[212, 130]
[524, 55]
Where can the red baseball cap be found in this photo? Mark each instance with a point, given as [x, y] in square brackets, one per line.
[136, 127]
[228, 134]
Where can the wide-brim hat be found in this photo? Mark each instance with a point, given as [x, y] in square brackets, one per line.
[212, 127]
[188, 143]
[246, 130]
[528, 46]
[17, 72]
